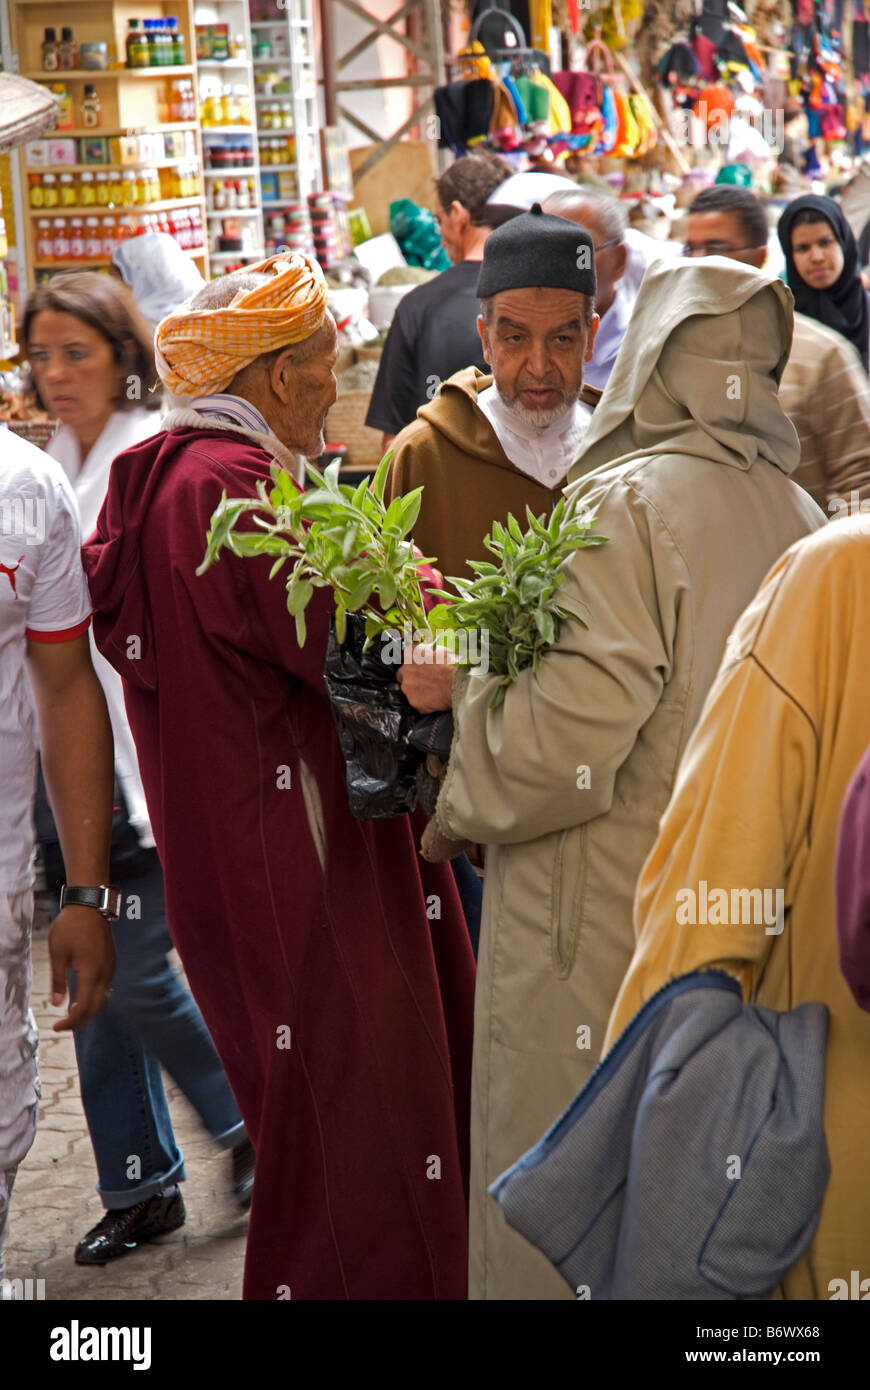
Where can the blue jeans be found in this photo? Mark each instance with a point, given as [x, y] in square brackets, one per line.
[150, 1019]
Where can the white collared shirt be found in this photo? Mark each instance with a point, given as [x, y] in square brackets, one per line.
[544, 453]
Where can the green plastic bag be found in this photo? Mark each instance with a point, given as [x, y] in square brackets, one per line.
[416, 231]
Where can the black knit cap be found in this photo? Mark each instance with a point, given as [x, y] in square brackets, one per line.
[537, 251]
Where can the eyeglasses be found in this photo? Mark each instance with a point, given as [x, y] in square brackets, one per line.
[715, 248]
[614, 241]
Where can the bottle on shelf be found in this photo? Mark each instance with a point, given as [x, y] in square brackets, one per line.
[65, 118]
[91, 108]
[137, 46]
[93, 240]
[77, 239]
[179, 46]
[128, 188]
[60, 239]
[87, 190]
[67, 191]
[67, 52]
[102, 189]
[109, 238]
[50, 191]
[35, 191]
[44, 240]
[50, 53]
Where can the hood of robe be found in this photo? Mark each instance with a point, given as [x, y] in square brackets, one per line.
[698, 371]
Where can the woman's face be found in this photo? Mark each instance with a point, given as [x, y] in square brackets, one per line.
[74, 369]
[818, 256]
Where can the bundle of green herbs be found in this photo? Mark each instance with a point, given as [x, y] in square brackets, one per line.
[350, 540]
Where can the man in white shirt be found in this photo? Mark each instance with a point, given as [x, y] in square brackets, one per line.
[621, 258]
[486, 446]
[44, 619]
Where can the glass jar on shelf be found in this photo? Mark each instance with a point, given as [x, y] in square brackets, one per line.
[93, 241]
[91, 108]
[60, 239]
[44, 240]
[77, 239]
[109, 236]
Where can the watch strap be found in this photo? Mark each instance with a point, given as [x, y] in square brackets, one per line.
[105, 898]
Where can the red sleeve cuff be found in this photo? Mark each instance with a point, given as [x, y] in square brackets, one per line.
[66, 635]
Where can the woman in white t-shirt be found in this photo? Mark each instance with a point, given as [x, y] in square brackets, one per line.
[92, 361]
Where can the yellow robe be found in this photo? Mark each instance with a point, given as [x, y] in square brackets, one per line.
[757, 804]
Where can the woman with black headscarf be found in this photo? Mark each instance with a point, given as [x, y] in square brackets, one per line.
[823, 268]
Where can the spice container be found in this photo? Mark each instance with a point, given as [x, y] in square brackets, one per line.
[94, 57]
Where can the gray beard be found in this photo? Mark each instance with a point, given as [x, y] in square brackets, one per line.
[539, 418]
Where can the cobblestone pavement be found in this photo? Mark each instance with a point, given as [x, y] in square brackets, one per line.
[54, 1201]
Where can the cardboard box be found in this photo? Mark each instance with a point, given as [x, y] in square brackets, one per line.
[93, 149]
[63, 152]
[124, 149]
[36, 154]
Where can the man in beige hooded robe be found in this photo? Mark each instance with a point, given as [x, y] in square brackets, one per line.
[686, 466]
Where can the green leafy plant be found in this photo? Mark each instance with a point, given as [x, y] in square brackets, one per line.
[515, 601]
[350, 540]
[340, 537]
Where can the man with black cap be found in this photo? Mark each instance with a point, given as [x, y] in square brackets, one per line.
[489, 445]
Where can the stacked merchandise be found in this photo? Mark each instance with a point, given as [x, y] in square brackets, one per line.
[289, 230]
[330, 228]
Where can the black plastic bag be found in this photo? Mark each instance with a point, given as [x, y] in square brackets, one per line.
[386, 773]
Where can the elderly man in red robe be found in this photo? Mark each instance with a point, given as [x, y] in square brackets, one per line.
[331, 964]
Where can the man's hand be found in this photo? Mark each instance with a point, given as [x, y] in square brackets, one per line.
[80, 941]
[427, 684]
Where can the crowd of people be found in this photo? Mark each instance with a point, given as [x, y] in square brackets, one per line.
[376, 1068]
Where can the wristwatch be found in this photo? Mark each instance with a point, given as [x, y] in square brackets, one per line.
[106, 899]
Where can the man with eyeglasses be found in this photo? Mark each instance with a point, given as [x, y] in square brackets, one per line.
[824, 388]
[621, 258]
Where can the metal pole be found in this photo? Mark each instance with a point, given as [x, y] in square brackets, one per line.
[328, 59]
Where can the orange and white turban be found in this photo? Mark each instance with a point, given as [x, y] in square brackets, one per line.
[198, 352]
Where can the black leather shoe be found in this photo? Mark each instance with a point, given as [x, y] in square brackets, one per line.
[119, 1232]
[243, 1173]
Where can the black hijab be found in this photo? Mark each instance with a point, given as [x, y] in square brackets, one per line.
[843, 307]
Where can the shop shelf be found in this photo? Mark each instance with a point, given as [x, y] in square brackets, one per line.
[111, 209]
[104, 74]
